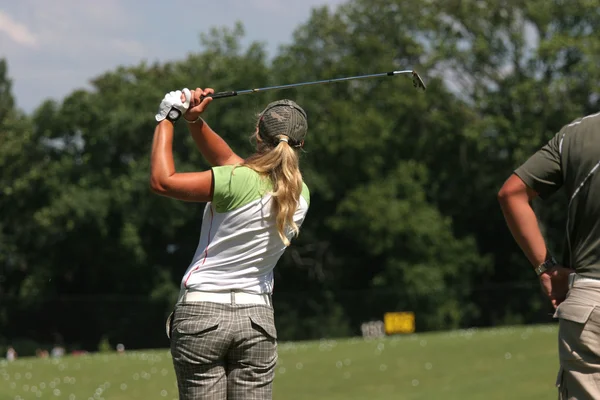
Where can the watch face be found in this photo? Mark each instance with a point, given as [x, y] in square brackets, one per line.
[174, 113]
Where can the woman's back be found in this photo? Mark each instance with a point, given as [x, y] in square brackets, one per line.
[239, 243]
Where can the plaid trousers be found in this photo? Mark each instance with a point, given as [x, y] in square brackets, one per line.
[223, 351]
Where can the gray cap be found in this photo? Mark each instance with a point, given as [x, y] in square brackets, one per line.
[283, 117]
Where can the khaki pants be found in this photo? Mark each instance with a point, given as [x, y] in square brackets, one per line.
[579, 343]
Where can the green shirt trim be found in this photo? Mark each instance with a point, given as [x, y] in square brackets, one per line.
[235, 186]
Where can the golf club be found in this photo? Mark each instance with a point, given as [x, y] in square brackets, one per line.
[417, 82]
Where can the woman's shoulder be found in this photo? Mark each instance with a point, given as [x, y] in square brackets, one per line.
[236, 186]
[305, 193]
[237, 173]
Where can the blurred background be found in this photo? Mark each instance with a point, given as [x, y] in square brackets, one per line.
[403, 217]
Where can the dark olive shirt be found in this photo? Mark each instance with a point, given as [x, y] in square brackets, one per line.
[571, 159]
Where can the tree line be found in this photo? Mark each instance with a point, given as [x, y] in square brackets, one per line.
[403, 183]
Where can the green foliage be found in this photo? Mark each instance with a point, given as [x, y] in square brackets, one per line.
[104, 345]
[26, 347]
[327, 318]
[403, 183]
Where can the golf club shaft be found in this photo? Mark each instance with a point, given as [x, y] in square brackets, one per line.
[417, 81]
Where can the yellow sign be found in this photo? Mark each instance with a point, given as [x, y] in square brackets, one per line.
[399, 322]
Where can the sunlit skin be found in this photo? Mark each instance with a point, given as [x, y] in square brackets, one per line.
[515, 199]
[188, 186]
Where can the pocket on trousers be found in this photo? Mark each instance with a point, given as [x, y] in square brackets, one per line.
[264, 324]
[574, 312]
[579, 346]
[559, 380]
[168, 325]
[197, 326]
[563, 391]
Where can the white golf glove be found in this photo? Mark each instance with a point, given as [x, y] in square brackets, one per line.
[172, 100]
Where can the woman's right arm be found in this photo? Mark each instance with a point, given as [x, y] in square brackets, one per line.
[214, 149]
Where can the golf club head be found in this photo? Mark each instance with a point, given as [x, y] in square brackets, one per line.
[417, 81]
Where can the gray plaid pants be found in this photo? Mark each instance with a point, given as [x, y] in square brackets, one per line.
[223, 351]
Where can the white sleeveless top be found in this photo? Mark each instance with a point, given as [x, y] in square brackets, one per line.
[239, 243]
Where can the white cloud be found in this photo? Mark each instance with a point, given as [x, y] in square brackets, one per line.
[17, 31]
[74, 28]
[53, 47]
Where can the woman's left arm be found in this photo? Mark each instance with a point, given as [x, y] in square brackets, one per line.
[165, 181]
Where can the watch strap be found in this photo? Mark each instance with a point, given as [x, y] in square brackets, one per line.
[176, 114]
[543, 267]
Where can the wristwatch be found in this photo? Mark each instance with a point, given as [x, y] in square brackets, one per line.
[173, 115]
[543, 267]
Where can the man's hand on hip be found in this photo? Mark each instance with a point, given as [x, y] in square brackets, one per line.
[555, 284]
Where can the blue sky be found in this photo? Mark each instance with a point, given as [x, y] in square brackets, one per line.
[54, 47]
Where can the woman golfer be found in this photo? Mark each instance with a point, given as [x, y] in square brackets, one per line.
[222, 331]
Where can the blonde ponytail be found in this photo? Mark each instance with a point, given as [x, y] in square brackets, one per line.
[281, 165]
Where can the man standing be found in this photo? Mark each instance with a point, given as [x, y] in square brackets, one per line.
[571, 159]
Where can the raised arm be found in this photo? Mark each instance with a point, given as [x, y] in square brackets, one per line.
[164, 179]
[214, 149]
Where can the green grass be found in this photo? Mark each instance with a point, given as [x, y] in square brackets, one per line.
[504, 363]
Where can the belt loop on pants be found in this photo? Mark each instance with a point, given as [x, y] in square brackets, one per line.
[574, 278]
[182, 294]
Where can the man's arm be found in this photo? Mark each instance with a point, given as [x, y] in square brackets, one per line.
[515, 200]
[214, 149]
[540, 175]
